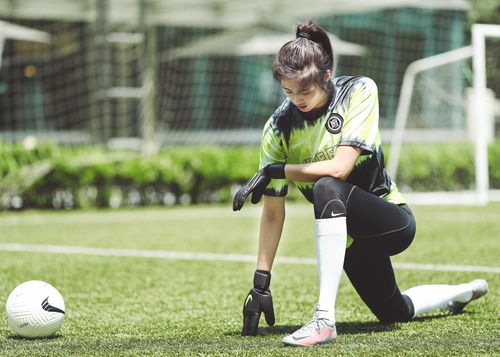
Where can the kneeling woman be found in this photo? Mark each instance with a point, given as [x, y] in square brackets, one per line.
[325, 137]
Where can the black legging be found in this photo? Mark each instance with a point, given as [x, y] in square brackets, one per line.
[379, 229]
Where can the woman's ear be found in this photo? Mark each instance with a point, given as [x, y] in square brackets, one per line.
[328, 75]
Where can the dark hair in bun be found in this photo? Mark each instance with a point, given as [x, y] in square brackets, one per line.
[307, 58]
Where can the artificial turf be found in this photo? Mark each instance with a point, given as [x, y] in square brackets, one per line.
[132, 306]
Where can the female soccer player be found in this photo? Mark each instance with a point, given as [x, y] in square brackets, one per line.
[325, 138]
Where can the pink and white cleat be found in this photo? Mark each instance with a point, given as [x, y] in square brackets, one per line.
[315, 332]
[479, 289]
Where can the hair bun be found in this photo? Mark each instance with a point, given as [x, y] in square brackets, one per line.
[315, 33]
[304, 35]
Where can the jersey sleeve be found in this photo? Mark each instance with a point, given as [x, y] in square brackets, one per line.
[360, 128]
[272, 151]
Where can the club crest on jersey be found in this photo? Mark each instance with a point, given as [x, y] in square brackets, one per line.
[334, 123]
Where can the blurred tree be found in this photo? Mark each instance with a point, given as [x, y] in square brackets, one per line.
[484, 11]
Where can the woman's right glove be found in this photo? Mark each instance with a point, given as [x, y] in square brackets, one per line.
[257, 184]
[258, 300]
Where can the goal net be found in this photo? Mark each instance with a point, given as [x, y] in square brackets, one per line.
[147, 74]
[445, 99]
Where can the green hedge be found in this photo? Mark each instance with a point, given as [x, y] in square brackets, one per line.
[96, 177]
[444, 167]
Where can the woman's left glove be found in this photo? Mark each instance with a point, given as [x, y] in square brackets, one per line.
[258, 300]
[257, 184]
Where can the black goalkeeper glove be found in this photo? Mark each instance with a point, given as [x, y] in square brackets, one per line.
[257, 184]
[258, 300]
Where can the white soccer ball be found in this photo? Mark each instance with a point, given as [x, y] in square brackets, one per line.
[35, 309]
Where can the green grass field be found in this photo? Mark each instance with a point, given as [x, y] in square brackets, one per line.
[191, 304]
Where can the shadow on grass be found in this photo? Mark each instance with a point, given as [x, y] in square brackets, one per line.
[434, 317]
[350, 328]
[17, 337]
[345, 328]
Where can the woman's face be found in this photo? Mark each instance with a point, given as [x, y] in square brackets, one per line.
[305, 100]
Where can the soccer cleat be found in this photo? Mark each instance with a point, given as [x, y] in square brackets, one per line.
[479, 288]
[315, 332]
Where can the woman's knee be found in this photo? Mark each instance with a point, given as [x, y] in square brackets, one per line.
[327, 184]
[329, 196]
[401, 310]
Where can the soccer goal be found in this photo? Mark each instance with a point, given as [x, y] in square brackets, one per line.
[437, 85]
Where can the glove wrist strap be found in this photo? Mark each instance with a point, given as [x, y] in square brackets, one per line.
[262, 280]
[276, 171]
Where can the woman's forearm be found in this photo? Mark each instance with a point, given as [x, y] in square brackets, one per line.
[339, 167]
[271, 227]
[313, 171]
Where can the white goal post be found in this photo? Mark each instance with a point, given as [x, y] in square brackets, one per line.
[479, 34]
[481, 194]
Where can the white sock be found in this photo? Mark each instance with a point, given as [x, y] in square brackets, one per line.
[331, 238]
[427, 298]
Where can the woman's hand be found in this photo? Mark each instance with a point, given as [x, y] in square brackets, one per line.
[257, 184]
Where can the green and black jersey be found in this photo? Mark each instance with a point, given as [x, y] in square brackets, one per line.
[351, 118]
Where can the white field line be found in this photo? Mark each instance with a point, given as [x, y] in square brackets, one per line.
[9, 219]
[239, 258]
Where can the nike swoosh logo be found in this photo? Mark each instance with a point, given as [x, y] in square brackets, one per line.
[336, 214]
[249, 299]
[47, 307]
